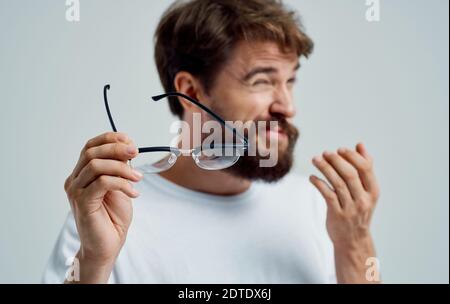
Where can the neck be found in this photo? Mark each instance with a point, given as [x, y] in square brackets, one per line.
[186, 174]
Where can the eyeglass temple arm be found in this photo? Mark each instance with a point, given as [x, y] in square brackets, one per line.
[105, 97]
[198, 104]
[159, 97]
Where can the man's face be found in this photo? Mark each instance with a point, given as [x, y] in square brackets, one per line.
[256, 85]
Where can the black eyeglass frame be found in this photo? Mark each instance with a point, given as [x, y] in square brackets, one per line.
[177, 151]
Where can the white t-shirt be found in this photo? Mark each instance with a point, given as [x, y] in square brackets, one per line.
[272, 233]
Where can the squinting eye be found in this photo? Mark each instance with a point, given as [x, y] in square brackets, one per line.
[259, 82]
[292, 80]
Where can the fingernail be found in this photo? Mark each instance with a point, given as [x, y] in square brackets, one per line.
[131, 150]
[327, 153]
[137, 174]
[342, 150]
[317, 159]
[135, 193]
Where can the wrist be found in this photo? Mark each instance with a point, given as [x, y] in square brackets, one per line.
[354, 243]
[351, 260]
[91, 271]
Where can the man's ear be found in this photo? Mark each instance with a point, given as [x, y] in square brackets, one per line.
[189, 85]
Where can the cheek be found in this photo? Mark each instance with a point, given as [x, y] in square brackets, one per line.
[243, 105]
[254, 107]
[259, 107]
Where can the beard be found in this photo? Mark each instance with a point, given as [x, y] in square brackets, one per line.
[249, 167]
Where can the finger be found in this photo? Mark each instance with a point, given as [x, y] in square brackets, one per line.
[106, 183]
[374, 189]
[335, 180]
[364, 167]
[98, 167]
[116, 151]
[348, 173]
[360, 148]
[106, 138]
[327, 192]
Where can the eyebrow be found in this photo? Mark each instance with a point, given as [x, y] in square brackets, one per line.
[264, 70]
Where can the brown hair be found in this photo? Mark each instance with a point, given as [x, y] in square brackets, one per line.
[197, 36]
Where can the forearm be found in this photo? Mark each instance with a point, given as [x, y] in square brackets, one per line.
[351, 267]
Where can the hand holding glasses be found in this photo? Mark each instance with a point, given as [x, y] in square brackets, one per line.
[215, 156]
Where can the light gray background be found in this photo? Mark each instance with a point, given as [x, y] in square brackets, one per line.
[384, 83]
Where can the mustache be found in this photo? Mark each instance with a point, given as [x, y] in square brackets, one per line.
[284, 125]
[292, 131]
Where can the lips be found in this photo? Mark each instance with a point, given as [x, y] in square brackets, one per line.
[276, 129]
[276, 132]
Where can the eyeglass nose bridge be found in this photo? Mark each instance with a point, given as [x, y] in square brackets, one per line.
[237, 153]
[174, 154]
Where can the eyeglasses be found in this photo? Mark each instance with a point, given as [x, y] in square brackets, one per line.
[214, 156]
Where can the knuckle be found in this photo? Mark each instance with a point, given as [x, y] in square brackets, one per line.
[89, 143]
[67, 183]
[89, 154]
[351, 175]
[83, 151]
[116, 137]
[94, 165]
[340, 186]
[330, 196]
[363, 205]
[120, 136]
[110, 136]
[102, 181]
[117, 150]
[364, 209]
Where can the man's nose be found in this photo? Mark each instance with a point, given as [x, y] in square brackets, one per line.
[283, 103]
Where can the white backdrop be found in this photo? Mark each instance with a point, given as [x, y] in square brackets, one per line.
[384, 83]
